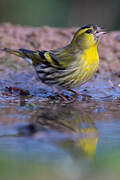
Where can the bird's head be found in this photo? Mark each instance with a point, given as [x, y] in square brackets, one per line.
[87, 36]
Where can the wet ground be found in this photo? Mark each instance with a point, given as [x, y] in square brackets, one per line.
[41, 137]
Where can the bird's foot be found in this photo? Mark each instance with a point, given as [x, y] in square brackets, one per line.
[67, 99]
[77, 94]
[73, 97]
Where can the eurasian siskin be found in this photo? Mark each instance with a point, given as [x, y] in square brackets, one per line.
[70, 66]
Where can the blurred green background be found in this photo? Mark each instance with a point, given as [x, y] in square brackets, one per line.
[61, 13]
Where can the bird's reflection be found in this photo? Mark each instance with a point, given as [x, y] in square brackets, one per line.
[66, 126]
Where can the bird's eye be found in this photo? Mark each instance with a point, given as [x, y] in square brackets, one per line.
[89, 31]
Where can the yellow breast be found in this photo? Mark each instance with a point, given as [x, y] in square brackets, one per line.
[87, 65]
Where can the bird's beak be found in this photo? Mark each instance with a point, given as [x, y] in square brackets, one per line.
[99, 33]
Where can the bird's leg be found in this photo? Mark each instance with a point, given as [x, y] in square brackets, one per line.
[74, 97]
[60, 95]
[63, 97]
[66, 100]
[77, 93]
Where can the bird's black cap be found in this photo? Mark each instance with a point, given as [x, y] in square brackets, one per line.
[88, 26]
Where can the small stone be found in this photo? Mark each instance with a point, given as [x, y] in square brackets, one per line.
[117, 37]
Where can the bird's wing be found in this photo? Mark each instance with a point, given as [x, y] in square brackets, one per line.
[58, 59]
[63, 56]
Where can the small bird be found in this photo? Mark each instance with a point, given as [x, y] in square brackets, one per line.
[68, 67]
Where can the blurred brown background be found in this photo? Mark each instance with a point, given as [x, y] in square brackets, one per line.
[61, 13]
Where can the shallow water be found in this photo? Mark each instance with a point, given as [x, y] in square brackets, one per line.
[41, 137]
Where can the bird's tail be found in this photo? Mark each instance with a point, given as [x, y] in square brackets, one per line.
[28, 55]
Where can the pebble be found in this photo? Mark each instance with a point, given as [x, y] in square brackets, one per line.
[117, 37]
